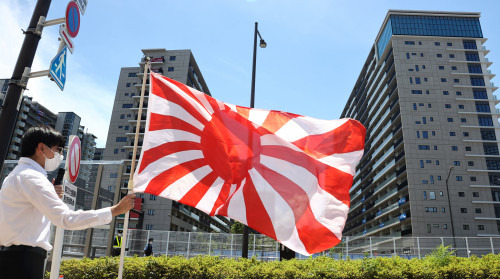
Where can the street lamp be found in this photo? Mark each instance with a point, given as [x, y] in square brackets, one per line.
[262, 44]
[449, 208]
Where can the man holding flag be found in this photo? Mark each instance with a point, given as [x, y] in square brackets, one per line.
[29, 203]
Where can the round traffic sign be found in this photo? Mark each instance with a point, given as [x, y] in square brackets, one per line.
[74, 157]
[72, 19]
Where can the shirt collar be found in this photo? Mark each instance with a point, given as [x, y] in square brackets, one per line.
[34, 165]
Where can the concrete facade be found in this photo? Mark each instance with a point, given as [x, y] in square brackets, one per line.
[425, 97]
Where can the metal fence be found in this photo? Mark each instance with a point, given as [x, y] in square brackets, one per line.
[191, 244]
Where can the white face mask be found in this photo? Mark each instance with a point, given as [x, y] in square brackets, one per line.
[54, 163]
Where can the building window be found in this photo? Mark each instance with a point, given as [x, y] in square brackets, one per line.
[480, 94]
[485, 120]
[448, 106]
[115, 151]
[417, 80]
[468, 148]
[172, 58]
[424, 147]
[466, 134]
[127, 127]
[170, 69]
[428, 228]
[446, 93]
[461, 107]
[437, 164]
[149, 227]
[425, 182]
[152, 197]
[453, 68]
[416, 68]
[479, 210]
[463, 120]
[416, 92]
[128, 84]
[449, 44]
[459, 178]
[132, 74]
[121, 139]
[436, 148]
[425, 134]
[461, 194]
[456, 163]
[113, 175]
[480, 227]
[452, 55]
[439, 55]
[441, 67]
[421, 164]
[475, 194]
[443, 79]
[454, 148]
[466, 227]
[425, 195]
[432, 195]
[439, 177]
[450, 119]
[452, 134]
[456, 80]
[122, 116]
[431, 209]
[463, 210]
[151, 212]
[437, 44]
[127, 105]
[470, 163]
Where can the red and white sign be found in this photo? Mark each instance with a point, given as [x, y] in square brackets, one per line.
[72, 19]
[73, 158]
[66, 38]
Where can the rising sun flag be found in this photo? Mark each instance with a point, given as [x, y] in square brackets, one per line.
[285, 175]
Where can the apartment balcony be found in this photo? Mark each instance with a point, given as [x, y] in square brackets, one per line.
[16, 140]
[146, 96]
[480, 49]
[139, 87]
[491, 86]
[495, 112]
[23, 116]
[18, 132]
[26, 108]
[487, 74]
[495, 99]
[14, 148]
[484, 61]
[483, 170]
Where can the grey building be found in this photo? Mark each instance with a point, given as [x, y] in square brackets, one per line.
[431, 165]
[157, 213]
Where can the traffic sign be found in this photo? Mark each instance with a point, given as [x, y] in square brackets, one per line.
[66, 38]
[72, 19]
[73, 158]
[58, 68]
[82, 4]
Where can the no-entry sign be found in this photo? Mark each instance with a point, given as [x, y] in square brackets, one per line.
[73, 158]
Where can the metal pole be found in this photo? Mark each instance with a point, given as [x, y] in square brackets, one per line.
[449, 206]
[210, 245]
[253, 245]
[418, 247]
[347, 246]
[132, 168]
[371, 251]
[168, 241]
[394, 244]
[467, 247]
[231, 245]
[189, 244]
[492, 248]
[13, 97]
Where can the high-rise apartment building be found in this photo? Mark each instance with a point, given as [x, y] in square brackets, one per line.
[158, 213]
[431, 165]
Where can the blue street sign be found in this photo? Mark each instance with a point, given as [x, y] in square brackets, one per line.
[58, 68]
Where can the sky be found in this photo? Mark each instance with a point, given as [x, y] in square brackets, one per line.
[315, 49]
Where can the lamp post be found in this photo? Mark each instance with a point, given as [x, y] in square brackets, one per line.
[449, 208]
[262, 44]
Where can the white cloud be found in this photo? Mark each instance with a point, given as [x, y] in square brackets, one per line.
[83, 95]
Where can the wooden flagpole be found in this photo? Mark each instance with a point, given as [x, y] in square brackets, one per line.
[132, 168]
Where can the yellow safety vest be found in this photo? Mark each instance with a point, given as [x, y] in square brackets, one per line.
[119, 241]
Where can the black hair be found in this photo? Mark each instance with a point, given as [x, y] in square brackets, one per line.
[150, 239]
[37, 134]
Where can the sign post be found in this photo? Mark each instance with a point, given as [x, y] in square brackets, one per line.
[72, 167]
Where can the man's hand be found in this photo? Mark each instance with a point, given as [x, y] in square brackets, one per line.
[59, 189]
[124, 205]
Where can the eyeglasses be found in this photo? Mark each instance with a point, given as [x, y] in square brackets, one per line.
[58, 149]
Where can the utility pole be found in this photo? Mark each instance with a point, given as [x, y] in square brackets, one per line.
[18, 82]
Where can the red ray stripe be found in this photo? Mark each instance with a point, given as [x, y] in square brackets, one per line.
[330, 179]
[166, 178]
[314, 235]
[222, 198]
[161, 122]
[257, 217]
[349, 137]
[164, 91]
[184, 88]
[277, 119]
[151, 155]
[193, 196]
[243, 111]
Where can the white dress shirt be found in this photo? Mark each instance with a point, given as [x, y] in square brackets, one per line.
[28, 203]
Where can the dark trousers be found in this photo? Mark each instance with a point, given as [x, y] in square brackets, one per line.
[22, 262]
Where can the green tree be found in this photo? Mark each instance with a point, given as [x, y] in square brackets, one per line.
[237, 227]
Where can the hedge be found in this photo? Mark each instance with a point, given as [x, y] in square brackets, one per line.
[433, 266]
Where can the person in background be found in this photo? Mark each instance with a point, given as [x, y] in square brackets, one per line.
[29, 202]
[117, 244]
[148, 250]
